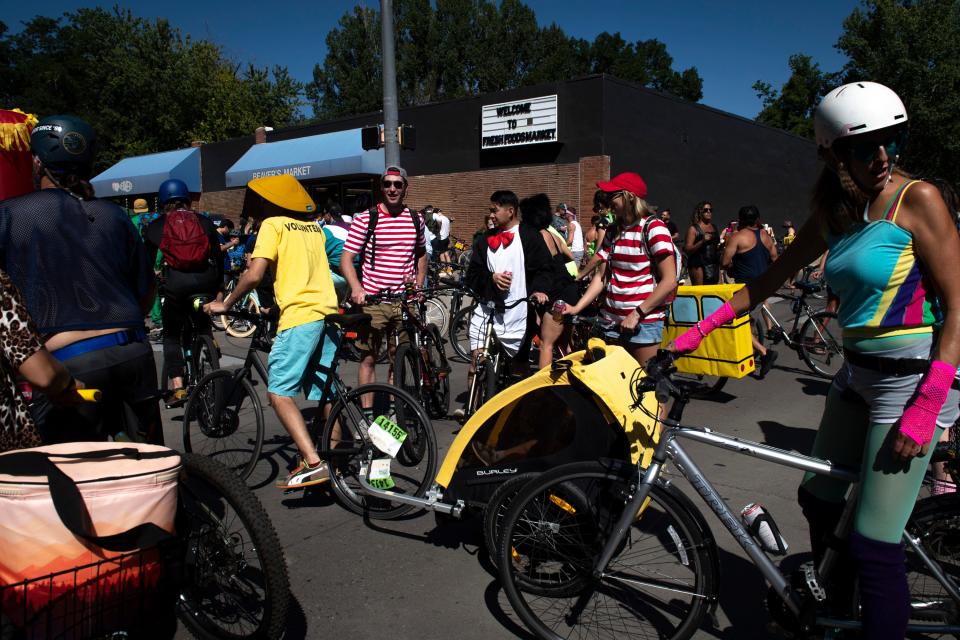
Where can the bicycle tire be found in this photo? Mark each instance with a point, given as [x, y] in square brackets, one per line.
[494, 371]
[460, 333]
[439, 371]
[550, 541]
[216, 421]
[818, 347]
[205, 358]
[238, 327]
[497, 507]
[233, 557]
[345, 454]
[935, 521]
[435, 313]
[407, 372]
[219, 321]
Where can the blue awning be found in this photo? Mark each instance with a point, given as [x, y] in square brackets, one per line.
[328, 154]
[143, 174]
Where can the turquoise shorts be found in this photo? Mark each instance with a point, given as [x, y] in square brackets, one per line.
[295, 360]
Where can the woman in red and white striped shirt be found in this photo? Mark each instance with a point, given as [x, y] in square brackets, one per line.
[637, 284]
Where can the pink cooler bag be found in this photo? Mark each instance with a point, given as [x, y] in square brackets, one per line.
[82, 526]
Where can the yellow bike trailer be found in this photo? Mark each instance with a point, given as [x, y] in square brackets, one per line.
[580, 408]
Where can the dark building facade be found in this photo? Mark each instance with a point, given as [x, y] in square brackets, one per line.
[575, 133]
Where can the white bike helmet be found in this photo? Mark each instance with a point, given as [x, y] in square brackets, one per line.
[855, 108]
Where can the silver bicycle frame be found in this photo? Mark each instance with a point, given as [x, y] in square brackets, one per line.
[670, 448]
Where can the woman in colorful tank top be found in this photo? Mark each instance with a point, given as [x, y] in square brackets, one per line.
[894, 262]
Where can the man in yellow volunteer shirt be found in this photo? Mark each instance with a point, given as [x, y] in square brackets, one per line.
[293, 244]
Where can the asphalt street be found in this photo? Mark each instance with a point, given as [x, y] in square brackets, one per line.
[416, 579]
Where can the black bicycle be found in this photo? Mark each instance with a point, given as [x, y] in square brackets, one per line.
[420, 363]
[226, 423]
[201, 353]
[816, 340]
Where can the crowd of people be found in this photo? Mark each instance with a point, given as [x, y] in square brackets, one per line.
[77, 281]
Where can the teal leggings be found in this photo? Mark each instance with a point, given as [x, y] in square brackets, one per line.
[888, 488]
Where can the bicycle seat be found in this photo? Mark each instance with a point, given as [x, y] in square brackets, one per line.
[808, 287]
[348, 320]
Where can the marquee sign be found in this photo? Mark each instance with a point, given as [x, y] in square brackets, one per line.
[509, 124]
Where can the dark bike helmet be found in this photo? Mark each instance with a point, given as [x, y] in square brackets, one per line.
[173, 189]
[64, 144]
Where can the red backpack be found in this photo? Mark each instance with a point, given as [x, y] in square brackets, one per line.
[184, 243]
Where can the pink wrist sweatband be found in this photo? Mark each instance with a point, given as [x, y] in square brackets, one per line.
[919, 421]
[692, 337]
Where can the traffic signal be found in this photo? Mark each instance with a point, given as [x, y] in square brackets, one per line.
[371, 138]
[407, 136]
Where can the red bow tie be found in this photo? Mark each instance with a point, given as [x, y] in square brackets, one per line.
[500, 238]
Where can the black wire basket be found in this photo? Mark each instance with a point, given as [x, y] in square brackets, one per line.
[130, 595]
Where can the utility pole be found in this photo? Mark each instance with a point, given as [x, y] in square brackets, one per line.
[391, 116]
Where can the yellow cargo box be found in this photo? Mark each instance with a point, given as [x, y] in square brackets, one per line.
[728, 350]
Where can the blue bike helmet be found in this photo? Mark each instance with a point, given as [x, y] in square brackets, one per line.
[173, 189]
[64, 144]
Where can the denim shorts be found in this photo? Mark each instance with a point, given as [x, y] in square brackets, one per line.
[646, 333]
[296, 357]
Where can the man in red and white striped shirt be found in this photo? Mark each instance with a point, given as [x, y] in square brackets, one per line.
[393, 253]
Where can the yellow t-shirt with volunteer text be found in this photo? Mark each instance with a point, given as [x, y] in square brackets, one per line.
[303, 285]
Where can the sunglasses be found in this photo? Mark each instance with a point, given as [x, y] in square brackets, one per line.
[866, 151]
[387, 184]
[707, 210]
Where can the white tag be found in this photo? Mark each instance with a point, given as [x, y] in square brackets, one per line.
[380, 468]
[386, 436]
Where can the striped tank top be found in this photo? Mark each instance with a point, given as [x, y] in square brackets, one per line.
[883, 287]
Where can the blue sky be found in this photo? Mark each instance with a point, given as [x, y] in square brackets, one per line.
[732, 43]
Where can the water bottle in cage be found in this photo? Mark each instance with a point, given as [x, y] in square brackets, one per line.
[796, 307]
[761, 526]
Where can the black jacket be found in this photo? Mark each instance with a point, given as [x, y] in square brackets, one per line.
[536, 258]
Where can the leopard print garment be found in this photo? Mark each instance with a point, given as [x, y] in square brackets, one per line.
[18, 341]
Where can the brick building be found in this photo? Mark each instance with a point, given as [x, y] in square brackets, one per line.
[557, 138]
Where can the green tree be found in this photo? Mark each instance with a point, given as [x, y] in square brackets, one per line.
[907, 45]
[913, 47]
[791, 108]
[455, 48]
[350, 80]
[142, 85]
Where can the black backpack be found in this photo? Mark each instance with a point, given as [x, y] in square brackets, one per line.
[374, 213]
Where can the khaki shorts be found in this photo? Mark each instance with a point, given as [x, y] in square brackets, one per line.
[384, 320]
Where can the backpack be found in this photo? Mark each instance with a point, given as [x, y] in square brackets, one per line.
[677, 257]
[184, 243]
[374, 213]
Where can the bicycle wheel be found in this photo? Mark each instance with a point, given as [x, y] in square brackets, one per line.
[497, 507]
[658, 584]
[407, 372]
[240, 327]
[345, 444]
[205, 358]
[435, 313]
[460, 333]
[438, 372]
[819, 345]
[223, 420]
[936, 523]
[235, 576]
[219, 321]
